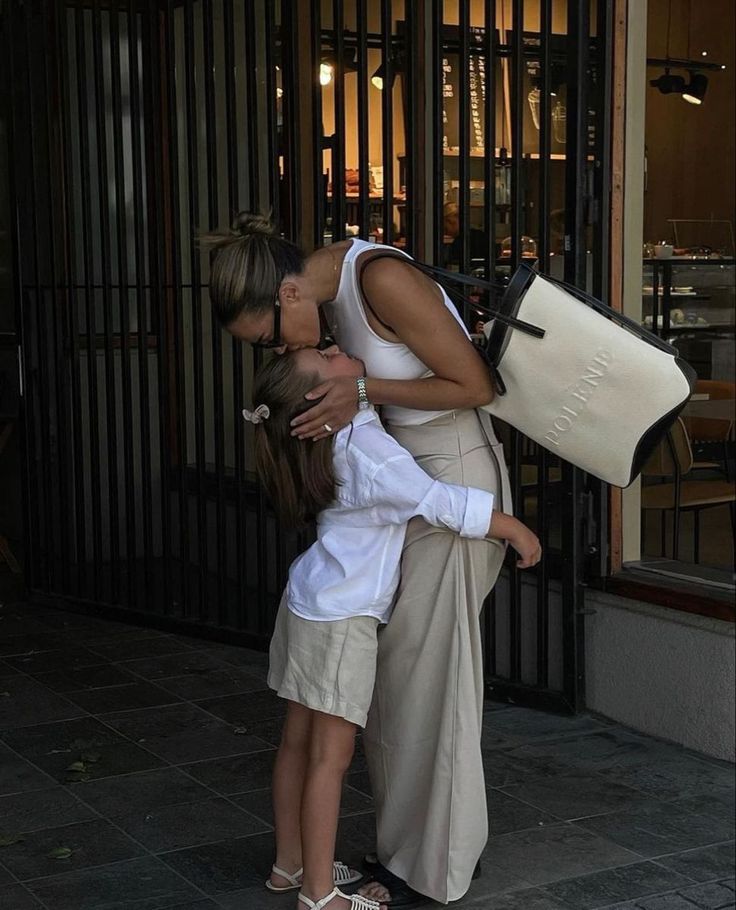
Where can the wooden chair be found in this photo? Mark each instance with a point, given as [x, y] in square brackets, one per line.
[714, 435]
[671, 463]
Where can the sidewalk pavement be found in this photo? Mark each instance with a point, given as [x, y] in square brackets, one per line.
[135, 766]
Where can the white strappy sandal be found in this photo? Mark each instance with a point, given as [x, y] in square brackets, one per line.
[357, 901]
[342, 875]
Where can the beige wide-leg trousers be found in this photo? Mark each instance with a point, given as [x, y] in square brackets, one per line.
[422, 739]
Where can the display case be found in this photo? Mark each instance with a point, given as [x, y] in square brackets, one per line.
[692, 304]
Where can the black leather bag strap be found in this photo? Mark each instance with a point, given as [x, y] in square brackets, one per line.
[435, 272]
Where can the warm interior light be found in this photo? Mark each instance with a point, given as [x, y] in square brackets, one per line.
[695, 91]
[325, 73]
[377, 78]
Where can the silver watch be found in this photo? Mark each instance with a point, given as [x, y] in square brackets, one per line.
[363, 402]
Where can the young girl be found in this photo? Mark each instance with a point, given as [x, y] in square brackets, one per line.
[363, 488]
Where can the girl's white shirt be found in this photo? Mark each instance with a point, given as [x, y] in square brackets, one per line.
[352, 569]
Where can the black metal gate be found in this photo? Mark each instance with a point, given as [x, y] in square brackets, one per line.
[132, 124]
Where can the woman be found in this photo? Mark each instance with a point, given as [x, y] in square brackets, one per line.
[422, 739]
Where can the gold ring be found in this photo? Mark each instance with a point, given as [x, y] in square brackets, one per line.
[327, 427]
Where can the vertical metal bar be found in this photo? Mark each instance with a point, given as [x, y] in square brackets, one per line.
[318, 137]
[218, 405]
[438, 182]
[156, 233]
[27, 417]
[545, 139]
[253, 192]
[59, 304]
[412, 122]
[91, 327]
[578, 31]
[233, 183]
[274, 187]
[72, 312]
[387, 112]
[177, 330]
[517, 133]
[124, 308]
[194, 217]
[543, 459]
[338, 146]
[489, 116]
[141, 308]
[464, 131]
[109, 362]
[363, 127]
[578, 18]
[45, 516]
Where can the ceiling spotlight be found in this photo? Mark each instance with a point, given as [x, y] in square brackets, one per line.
[667, 83]
[695, 91]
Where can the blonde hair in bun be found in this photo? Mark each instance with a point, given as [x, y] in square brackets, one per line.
[249, 263]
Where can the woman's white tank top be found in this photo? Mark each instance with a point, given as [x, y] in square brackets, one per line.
[383, 359]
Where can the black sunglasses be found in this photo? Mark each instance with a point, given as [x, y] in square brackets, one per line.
[275, 341]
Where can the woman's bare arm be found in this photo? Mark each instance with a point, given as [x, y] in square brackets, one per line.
[412, 305]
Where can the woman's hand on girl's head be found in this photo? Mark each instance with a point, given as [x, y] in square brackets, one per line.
[337, 408]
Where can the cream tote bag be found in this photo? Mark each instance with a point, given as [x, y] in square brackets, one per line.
[598, 390]
[587, 383]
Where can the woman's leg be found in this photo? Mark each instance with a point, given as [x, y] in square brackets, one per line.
[422, 739]
[289, 772]
[331, 751]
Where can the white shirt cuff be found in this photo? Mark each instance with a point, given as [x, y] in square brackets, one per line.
[478, 511]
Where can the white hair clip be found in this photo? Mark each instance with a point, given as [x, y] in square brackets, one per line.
[261, 413]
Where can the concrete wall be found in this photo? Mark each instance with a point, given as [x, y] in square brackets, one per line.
[663, 672]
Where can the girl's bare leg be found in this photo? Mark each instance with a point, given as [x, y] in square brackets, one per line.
[288, 784]
[331, 751]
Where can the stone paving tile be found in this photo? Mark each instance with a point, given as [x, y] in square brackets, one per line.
[237, 774]
[524, 725]
[119, 650]
[25, 701]
[122, 698]
[704, 864]
[93, 843]
[187, 663]
[710, 896]
[507, 814]
[258, 802]
[213, 684]
[145, 883]
[76, 679]
[6, 670]
[60, 658]
[18, 775]
[25, 644]
[511, 766]
[552, 853]
[228, 865]
[15, 897]
[247, 708]
[525, 899]
[54, 746]
[654, 828]
[622, 883]
[143, 790]
[575, 796]
[672, 901]
[5, 876]
[181, 733]
[255, 898]
[198, 905]
[188, 824]
[45, 808]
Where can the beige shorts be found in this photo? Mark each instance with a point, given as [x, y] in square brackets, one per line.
[325, 666]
